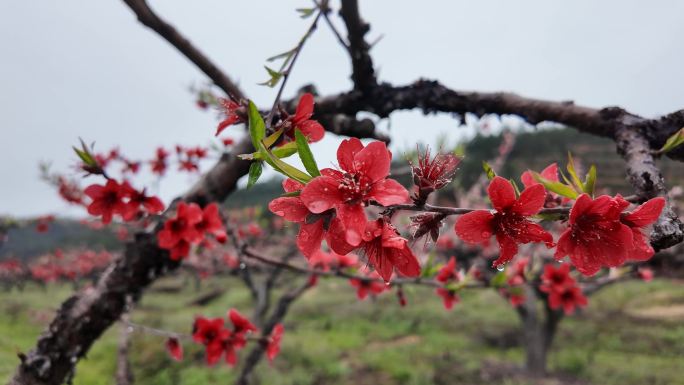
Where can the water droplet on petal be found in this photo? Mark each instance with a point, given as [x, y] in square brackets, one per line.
[500, 267]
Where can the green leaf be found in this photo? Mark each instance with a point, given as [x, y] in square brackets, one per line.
[488, 170]
[590, 181]
[285, 150]
[556, 187]
[85, 155]
[284, 168]
[673, 141]
[257, 128]
[275, 77]
[573, 174]
[305, 154]
[271, 139]
[254, 173]
[82, 155]
[282, 55]
[498, 280]
[305, 12]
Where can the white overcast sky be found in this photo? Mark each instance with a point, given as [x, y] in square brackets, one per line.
[86, 68]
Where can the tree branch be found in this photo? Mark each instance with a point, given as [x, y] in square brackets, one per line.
[277, 317]
[363, 74]
[648, 182]
[147, 17]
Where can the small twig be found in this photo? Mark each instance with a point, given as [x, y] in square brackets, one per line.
[337, 34]
[286, 73]
[257, 353]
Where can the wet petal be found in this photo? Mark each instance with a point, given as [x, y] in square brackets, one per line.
[373, 161]
[346, 153]
[388, 192]
[321, 194]
[501, 193]
[475, 227]
[290, 208]
[531, 200]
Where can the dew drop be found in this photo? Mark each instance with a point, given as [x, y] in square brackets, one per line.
[500, 267]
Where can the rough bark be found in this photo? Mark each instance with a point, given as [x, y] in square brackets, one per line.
[534, 339]
[363, 75]
[648, 182]
[124, 373]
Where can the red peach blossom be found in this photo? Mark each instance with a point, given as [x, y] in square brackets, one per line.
[371, 286]
[448, 272]
[509, 222]
[179, 232]
[230, 110]
[386, 250]
[301, 120]
[449, 297]
[637, 220]
[595, 237]
[556, 279]
[313, 227]
[273, 347]
[107, 200]
[569, 298]
[174, 348]
[363, 177]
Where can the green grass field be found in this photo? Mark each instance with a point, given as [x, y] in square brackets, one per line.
[631, 333]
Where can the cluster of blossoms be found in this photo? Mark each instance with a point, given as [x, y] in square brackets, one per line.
[56, 266]
[599, 233]
[189, 226]
[189, 157]
[122, 199]
[69, 191]
[10, 269]
[219, 339]
[332, 207]
[562, 289]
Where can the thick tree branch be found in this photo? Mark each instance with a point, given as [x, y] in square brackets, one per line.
[631, 132]
[363, 74]
[648, 182]
[150, 19]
